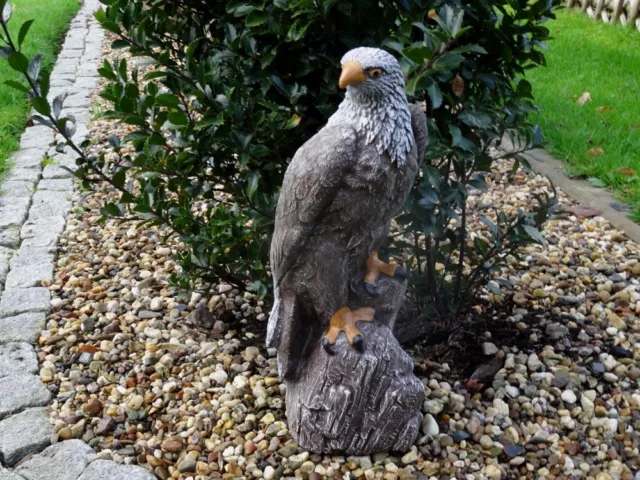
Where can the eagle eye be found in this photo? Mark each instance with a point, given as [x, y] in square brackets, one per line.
[375, 72]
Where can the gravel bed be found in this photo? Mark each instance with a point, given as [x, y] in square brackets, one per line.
[184, 386]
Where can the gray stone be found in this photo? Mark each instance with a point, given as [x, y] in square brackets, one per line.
[5, 257]
[31, 141]
[27, 174]
[17, 358]
[59, 185]
[32, 157]
[68, 53]
[61, 461]
[21, 391]
[10, 237]
[556, 331]
[32, 275]
[13, 216]
[74, 44]
[89, 83]
[46, 203]
[21, 300]
[108, 470]
[47, 241]
[23, 434]
[21, 328]
[88, 71]
[76, 101]
[55, 171]
[7, 475]
[26, 256]
[17, 188]
[7, 202]
[36, 227]
[62, 81]
[65, 69]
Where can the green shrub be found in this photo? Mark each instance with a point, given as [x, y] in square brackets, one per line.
[236, 87]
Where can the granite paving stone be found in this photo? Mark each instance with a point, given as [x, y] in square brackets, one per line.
[21, 328]
[17, 358]
[24, 433]
[103, 470]
[7, 475]
[21, 391]
[61, 461]
[20, 300]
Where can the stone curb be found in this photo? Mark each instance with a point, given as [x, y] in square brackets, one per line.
[34, 202]
[581, 190]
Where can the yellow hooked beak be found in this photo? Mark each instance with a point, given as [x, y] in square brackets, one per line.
[352, 74]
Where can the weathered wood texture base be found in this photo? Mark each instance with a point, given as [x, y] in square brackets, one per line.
[359, 403]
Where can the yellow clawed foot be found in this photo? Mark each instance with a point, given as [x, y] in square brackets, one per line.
[344, 320]
[375, 267]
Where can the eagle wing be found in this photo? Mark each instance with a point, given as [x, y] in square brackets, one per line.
[314, 177]
[420, 131]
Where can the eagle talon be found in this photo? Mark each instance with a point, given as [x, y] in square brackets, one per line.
[371, 289]
[375, 267]
[401, 273]
[358, 343]
[328, 346]
[344, 320]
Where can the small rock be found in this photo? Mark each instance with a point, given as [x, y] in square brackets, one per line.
[569, 397]
[489, 348]
[93, 408]
[533, 362]
[430, 426]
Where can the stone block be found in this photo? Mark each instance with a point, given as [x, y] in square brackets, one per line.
[15, 215]
[55, 171]
[5, 258]
[25, 174]
[30, 275]
[42, 227]
[21, 391]
[17, 188]
[61, 461]
[22, 328]
[105, 469]
[27, 433]
[17, 358]
[21, 300]
[46, 203]
[31, 157]
[10, 237]
[7, 475]
[58, 185]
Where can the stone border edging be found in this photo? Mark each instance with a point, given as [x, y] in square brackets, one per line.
[35, 200]
[581, 190]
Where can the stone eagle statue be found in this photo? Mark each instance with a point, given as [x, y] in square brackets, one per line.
[339, 195]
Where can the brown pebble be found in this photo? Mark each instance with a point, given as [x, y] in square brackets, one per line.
[572, 448]
[171, 445]
[93, 408]
[154, 461]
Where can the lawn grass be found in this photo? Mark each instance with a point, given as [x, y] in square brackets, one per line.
[51, 21]
[600, 139]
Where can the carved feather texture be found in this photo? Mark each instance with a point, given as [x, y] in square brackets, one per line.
[339, 194]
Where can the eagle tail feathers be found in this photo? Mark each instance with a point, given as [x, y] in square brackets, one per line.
[273, 325]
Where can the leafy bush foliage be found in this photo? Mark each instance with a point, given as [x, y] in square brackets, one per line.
[232, 89]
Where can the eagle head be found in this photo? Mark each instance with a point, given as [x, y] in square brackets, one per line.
[375, 102]
[371, 73]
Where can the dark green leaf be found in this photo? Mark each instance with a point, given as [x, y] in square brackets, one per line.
[17, 86]
[24, 29]
[41, 106]
[18, 62]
